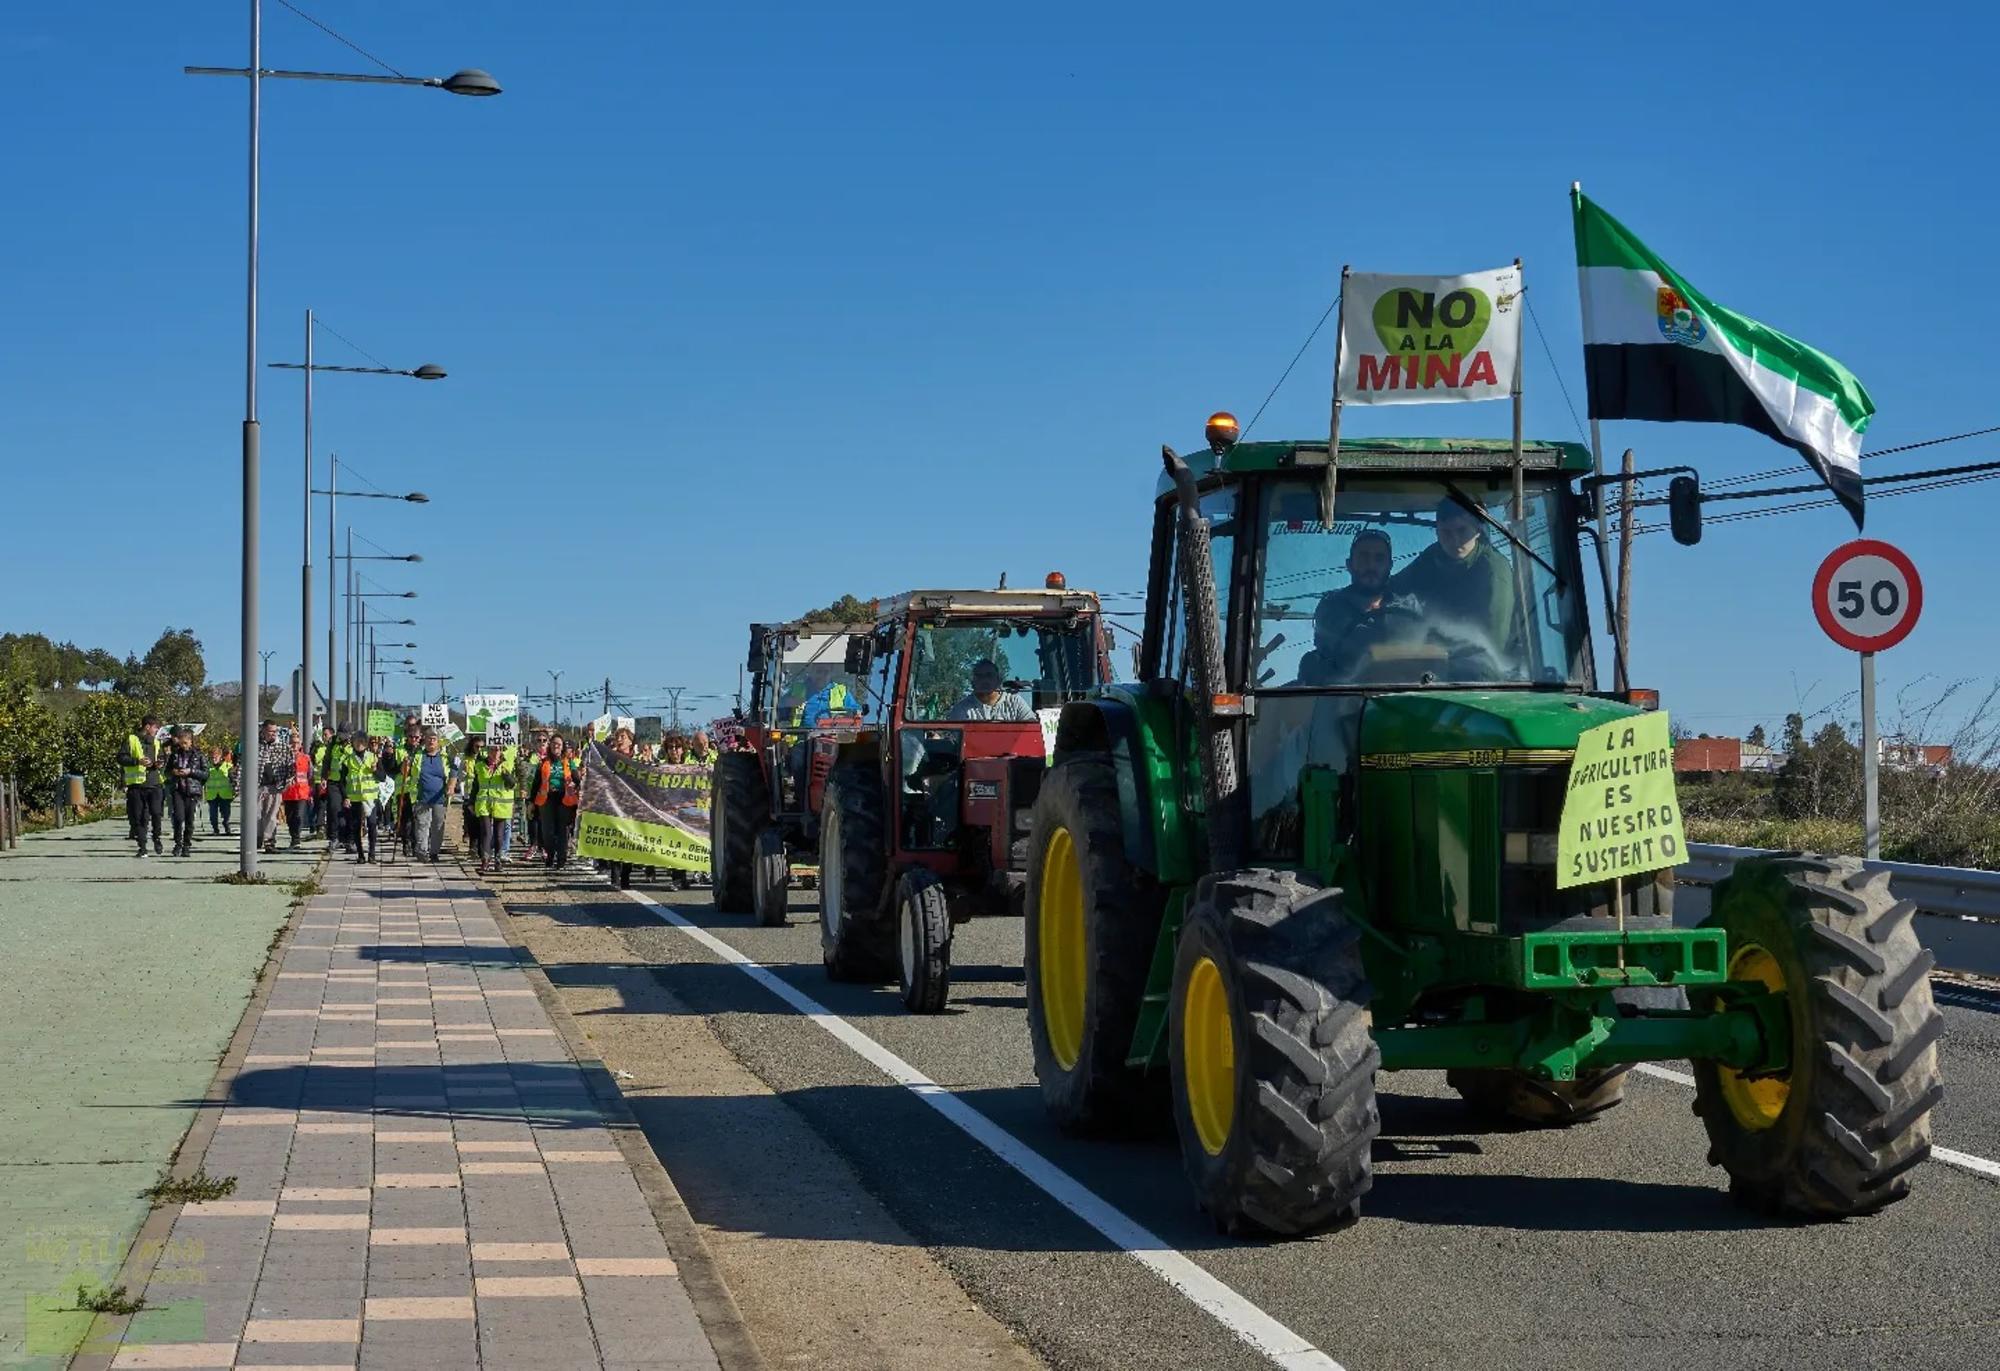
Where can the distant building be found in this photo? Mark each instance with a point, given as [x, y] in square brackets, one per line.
[1907, 754]
[1761, 760]
[1708, 754]
[1712, 756]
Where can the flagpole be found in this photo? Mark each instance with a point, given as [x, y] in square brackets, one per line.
[1520, 494]
[1619, 681]
[1330, 488]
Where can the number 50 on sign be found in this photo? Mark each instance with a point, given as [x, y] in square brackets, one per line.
[1867, 595]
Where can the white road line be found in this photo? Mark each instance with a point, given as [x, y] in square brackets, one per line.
[1283, 1346]
[1949, 1156]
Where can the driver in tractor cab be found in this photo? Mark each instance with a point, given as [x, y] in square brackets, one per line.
[1339, 611]
[989, 701]
[1463, 585]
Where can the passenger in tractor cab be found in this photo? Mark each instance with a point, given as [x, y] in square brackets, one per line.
[989, 701]
[1463, 586]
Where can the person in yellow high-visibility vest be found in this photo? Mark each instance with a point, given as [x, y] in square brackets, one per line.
[140, 761]
[494, 778]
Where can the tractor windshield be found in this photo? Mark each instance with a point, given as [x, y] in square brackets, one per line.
[999, 669]
[812, 680]
[1417, 583]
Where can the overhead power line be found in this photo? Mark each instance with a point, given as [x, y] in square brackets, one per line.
[1747, 478]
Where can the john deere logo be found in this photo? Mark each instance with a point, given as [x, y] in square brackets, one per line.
[1678, 323]
[1431, 341]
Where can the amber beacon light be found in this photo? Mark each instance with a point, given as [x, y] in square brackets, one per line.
[1222, 431]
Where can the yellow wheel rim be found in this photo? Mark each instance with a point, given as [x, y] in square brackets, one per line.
[1208, 1050]
[1757, 1103]
[1062, 956]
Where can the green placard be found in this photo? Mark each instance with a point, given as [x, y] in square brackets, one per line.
[381, 723]
[1621, 816]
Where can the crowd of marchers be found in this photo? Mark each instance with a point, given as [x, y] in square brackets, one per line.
[372, 798]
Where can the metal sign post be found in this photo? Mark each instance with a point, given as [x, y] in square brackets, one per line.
[1867, 596]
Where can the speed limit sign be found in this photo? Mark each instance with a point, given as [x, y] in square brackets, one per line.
[1867, 595]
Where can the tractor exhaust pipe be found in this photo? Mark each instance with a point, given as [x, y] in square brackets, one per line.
[1222, 787]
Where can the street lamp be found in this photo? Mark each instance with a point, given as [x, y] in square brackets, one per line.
[470, 81]
[332, 492]
[429, 371]
[351, 557]
[357, 616]
[555, 700]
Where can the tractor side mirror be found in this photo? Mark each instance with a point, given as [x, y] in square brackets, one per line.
[758, 661]
[1684, 510]
[860, 654]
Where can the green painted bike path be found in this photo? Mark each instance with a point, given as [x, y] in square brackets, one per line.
[121, 982]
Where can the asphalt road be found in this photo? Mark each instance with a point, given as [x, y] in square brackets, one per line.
[1609, 1245]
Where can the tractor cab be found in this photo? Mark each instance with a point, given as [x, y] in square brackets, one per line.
[973, 677]
[800, 704]
[1422, 583]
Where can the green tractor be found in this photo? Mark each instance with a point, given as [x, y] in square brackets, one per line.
[1319, 838]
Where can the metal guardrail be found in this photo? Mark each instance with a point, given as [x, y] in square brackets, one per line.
[1958, 909]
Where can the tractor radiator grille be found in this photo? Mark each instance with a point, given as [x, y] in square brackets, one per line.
[1531, 799]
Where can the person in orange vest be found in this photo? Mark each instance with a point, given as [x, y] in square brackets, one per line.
[298, 792]
[556, 783]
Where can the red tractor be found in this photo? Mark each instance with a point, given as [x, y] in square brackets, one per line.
[917, 796]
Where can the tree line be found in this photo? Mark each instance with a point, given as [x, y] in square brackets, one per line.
[173, 665]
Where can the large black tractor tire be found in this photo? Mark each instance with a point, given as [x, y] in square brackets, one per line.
[923, 940]
[1090, 924]
[770, 879]
[1273, 1062]
[1838, 1134]
[856, 942]
[1520, 1098]
[741, 810]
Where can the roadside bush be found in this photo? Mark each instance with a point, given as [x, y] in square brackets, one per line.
[30, 744]
[93, 732]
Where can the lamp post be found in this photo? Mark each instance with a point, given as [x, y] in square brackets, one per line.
[555, 700]
[351, 556]
[427, 372]
[468, 82]
[358, 617]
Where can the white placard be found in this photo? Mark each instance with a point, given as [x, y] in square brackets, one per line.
[1417, 339]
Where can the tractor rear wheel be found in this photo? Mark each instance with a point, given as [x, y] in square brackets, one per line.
[1273, 1061]
[770, 879]
[741, 811]
[923, 940]
[1838, 1133]
[1091, 922]
[855, 942]
[1522, 1099]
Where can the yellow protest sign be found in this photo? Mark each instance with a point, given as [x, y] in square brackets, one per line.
[1620, 814]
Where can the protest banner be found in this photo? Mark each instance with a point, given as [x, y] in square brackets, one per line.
[651, 815]
[435, 715]
[1620, 815]
[382, 723]
[483, 711]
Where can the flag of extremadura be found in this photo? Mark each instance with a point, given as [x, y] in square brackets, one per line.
[1657, 348]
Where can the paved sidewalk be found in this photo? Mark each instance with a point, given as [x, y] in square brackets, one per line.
[423, 1175]
[120, 984]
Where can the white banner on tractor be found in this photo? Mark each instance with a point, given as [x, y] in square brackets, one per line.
[1416, 339]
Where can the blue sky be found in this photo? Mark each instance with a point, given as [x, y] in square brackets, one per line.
[748, 306]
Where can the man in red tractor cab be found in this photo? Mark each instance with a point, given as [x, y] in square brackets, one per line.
[989, 701]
